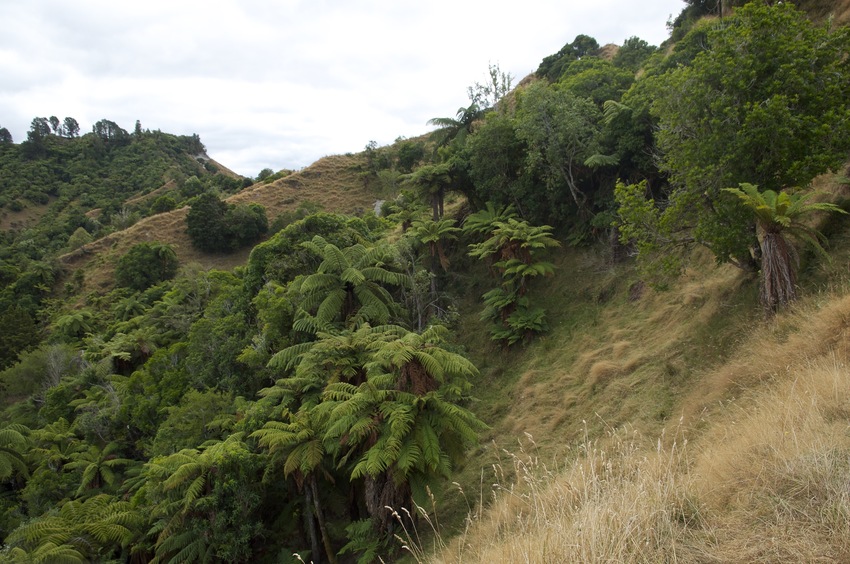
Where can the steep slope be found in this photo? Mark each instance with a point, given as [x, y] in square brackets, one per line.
[665, 426]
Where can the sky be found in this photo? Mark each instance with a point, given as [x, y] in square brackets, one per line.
[281, 83]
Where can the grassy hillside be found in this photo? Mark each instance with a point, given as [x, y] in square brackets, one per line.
[676, 425]
[332, 183]
[511, 360]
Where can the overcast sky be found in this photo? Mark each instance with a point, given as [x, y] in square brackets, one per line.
[282, 83]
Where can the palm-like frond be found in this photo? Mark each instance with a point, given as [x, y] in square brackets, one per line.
[13, 444]
[47, 553]
[777, 215]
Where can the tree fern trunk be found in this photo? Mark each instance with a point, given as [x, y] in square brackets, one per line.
[310, 523]
[778, 272]
[321, 518]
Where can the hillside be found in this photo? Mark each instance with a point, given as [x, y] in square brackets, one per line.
[657, 423]
[601, 317]
[332, 183]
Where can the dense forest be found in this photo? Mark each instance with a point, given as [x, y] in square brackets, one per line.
[298, 407]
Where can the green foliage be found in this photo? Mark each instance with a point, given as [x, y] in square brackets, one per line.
[597, 79]
[79, 238]
[454, 130]
[204, 502]
[378, 402]
[431, 182]
[764, 103]
[39, 369]
[632, 55]
[164, 203]
[348, 287]
[553, 66]
[778, 216]
[75, 324]
[13, 446]
[90, 530]
[511, 246]
[197, 419]
[19, 333]
[206, 225]
[145, 265]
[561, 131]
[216, 226]
[497, 156]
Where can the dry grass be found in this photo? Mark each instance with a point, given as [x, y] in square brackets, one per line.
[622, 500]
[762, 476]
[27, 217]
[820, 10]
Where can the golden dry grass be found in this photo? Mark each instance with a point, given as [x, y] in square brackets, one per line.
[751, 466]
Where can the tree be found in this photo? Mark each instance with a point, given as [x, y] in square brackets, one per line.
[497, 165]
[20, 332]
[70, 128]
[75, 324]
[39, 129]
[79, 238]
[597, 79]
[5, 136]
[553, 66]
[432, 181]
[97, 468]
[299, 443]
[511, 246]
[265, 173]
[487, 95]
[216, 226]
[777, 217]
[145, 265]
[110, 131]
[561, 131]
[402, 428]
[766, 103]
[13, 446]
[433, 234]
[247, 223]
[348, 286]
[633, 53]
[206, 225]
[458, 127]
[203, 501]
[80, 531]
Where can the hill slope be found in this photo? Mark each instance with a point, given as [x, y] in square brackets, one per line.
[664, 426]
[332, 183]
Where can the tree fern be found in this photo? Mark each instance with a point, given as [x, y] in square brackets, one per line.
[13, 444]
[778, 215]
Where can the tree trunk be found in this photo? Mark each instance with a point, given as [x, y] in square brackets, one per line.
[321, 518]
[310, 523]
[778, 272]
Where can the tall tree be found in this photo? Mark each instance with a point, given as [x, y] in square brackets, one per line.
[765, 104]
[561, 131]
[432, 182]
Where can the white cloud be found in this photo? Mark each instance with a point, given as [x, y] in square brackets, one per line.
[279, 84]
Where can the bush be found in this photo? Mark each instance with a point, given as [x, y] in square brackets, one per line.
[163, 204]
[145, 265]
[215, 226]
